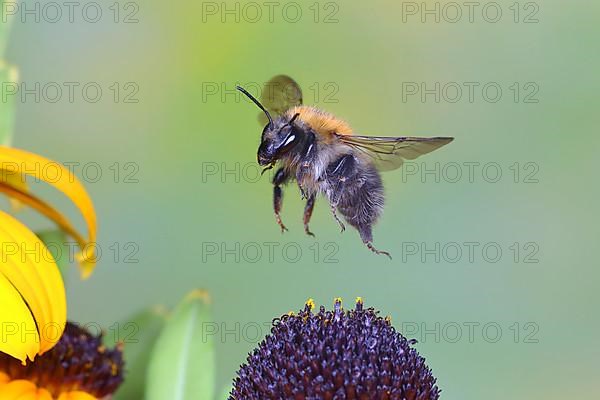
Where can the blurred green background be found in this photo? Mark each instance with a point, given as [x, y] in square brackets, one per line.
[167, 208]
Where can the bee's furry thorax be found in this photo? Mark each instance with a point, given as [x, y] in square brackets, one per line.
[323, 164]
[308, 162]
[322, 122]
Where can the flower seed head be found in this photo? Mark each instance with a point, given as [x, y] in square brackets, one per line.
[354, 354]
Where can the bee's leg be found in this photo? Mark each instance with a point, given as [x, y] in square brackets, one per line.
[334, 200]
[367, 237]
[308, 210]
[301, 172]
[374, 250]
[303, 194]
[338, 174]
[279, 179]
[334, 212]
[305, 165]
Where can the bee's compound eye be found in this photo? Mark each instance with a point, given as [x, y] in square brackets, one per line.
[289, 139]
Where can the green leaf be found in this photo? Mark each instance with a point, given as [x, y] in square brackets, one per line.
[56, 242]
[182, 365]
[138, 335]
[8, 80]
[7, 15]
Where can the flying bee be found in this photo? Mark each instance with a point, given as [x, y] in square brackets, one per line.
[324, 156]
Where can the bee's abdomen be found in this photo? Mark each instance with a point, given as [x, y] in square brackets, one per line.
[357, 190]
[362, 201]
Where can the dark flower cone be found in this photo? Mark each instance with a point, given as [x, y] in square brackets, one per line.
[78, 362]
[335, 354]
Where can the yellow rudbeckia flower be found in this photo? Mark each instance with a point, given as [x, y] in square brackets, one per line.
[32, 294]
[79, 367]
[23, 389]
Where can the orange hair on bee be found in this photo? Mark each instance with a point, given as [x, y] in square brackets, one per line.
[322, 122]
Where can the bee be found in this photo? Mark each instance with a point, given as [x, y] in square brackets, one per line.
[323, 155]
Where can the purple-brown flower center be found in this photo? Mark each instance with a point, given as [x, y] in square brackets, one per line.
[78, 362]
[335, 355]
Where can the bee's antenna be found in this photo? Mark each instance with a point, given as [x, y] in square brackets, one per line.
[293, 118]
[241, 89]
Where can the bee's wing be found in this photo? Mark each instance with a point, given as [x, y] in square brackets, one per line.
[279, 95]
[388, 153]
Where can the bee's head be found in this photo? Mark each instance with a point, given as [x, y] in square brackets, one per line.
[278, 136]
[277, 140]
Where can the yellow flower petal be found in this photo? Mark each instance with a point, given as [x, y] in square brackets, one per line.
[14, 162]
[22, 390]
[76, 396]
[37, 394]
[16, 319]
[18, 183]
[29, 268]
[24, 197]
[43, 394]
[17, 390]
[4, 378]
